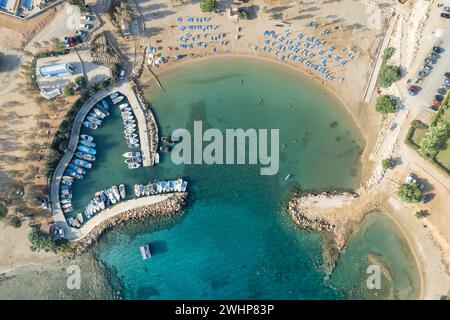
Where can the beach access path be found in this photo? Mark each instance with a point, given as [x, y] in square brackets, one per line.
[125, 89]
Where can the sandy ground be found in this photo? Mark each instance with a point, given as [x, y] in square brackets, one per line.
[15, 250]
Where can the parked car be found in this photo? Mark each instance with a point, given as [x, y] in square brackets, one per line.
[445, 15]
[413, 90]
[426, 67]
[435, 108]
[426, 198]
[422, 73]
[439, 97]
[436, 103]
[447, 8]
[122, 74]
[442, 90]
[87, 18]
[85, 26]
[430, 61]
[438, 49]
[447, 74]
[434, 55]
[70, 41]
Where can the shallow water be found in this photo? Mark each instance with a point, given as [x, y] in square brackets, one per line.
[234, 240]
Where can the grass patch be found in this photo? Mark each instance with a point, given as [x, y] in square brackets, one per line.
[418, 135]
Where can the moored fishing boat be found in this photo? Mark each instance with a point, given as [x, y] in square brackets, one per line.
[95, 205]
[105, 198]
[82, 163]
[132, 141]
[73, 174]
[133, 165]
[131, 160]
[123, 106]
[129, 131]
[87, 143]
[122, 191]
[134, 145]
[137, 191]
[94, 120]
[76, 168]
[111, 196]
[85, 156]
[87, 213]
[116, 193]
[164, 148]
[80, 217]
[86, 149]
[87, 137]
[126, 114]
[131, 136]
[118, 99]
[90, 125]
[114, 95]
[184, 186]
[125, 109]
[105, 104]
[99, 113]
[132, 154]
[99, 201]
[130, 126]
[167, 140]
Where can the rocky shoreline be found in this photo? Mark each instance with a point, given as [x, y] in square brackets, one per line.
[169, 207]
[311, 211]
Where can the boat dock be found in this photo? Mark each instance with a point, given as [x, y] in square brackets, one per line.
[142, 126]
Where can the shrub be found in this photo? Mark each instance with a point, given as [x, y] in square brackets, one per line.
[68, 90]
[410, 193]
[208, 5]
[386, 104]
[41, 241]
[417, 124]
[388, 75]
[388, 52]
[243, 14]
[422, 214]
[15, 222]
[80, 81]
[388, 163]
[3, 209]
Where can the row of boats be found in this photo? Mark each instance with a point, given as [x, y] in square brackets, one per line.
[99, 112]
[133, 159]
[164, 186]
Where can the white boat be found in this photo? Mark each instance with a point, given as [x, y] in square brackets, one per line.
[99, 113]
[87, 213]
[132, 154]
[137, 191]
[126, 109]
[111, 196]
[147, 190]
[287, 177]
[134, 145]
[126, 113]
[133, 165]
[184, 186]
[129, 131]
[145, 252]
[130, 126]
[117, 99]
[95, 205]
[86, 137]
[80, 217]
[123, 105]
[116, 193]
[131, 136]
[122, 191]
[131, 160]
[94, 120]
[132, 141]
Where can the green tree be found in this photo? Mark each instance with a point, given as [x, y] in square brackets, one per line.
[386, 104]
[410, 193]
[388, 75]
[208, 5]
[435, 139]
[388, 163]
[243, 14]
[422, 214]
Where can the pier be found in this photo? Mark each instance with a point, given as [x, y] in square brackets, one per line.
[125, 89]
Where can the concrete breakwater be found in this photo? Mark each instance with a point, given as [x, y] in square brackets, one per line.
[172, 206]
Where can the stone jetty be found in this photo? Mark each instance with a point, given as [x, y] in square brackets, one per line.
[169, 207]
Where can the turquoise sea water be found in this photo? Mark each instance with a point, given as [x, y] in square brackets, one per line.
[234, 240]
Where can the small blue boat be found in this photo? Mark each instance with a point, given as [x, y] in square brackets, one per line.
[76, 168]
[90, 125]
[86, 149]
[105, 104]
[73, 174]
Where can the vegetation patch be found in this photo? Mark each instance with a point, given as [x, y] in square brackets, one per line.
[388, 73]
[208, 5]
[410, 193]
[386, 104]
[3, 209]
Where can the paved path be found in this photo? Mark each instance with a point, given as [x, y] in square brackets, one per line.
[378, 62]
[125, 89]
